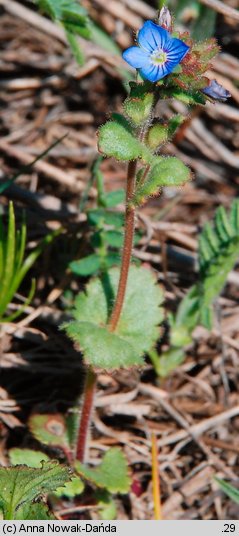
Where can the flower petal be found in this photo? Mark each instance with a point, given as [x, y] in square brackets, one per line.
[136, 57]
[176, 50]
[153, 73]
[151, 36]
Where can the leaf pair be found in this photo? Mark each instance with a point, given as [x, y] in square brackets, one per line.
[118, 138]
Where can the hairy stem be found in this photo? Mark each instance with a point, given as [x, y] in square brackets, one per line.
[86, 412]
[127, 247]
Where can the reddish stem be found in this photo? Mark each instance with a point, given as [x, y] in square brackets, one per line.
[86, 412]
[127, 247]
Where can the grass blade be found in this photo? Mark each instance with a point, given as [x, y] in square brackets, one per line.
[8, 270]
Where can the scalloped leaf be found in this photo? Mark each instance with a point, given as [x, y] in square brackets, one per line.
[116, 138]
[169, 171]
[49, 430]
[71, 489]
[136, 331]
[111, 474]
[29, 457]
[20, 484]
[37, 510]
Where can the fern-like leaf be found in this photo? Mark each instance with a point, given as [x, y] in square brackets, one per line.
[218, 253]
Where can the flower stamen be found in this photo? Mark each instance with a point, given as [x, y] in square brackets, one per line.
[158, 57]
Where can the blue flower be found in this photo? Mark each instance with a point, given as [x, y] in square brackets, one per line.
[158, 52]
[216, 91]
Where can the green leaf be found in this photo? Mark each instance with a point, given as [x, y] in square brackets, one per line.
[116, 138]
[114, 238]
[75, 48]
[107, 505]
[100, 216]
[231, 492]
[174, 123]
[8, 260]
[71, 489]
[187, 317]
[74, 19]
[112, 199]
[49, 430]
[167, 361]
[63, 10]
[138, 107]
[21, 484]
[136, 331]
[31, 458]
[112, 259]
[157, 134]
[111, 474]
[13, 266]
[164, 172]
[187, 97]
[37, 510]
[87, 266]
[218, 253]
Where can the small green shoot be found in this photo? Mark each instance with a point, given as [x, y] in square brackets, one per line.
[13, 265]
[218, 253]
[229, 490]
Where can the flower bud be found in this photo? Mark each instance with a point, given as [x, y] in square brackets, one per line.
[165, 19]
[216, 91]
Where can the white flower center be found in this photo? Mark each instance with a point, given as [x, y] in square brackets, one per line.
[158, 57]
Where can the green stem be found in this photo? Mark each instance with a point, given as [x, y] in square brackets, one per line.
[127, 247]
[86, 413]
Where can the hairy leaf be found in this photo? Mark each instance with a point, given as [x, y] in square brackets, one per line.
[136, 332]
[188, 98]
[139, 106]
[164, 172]
[116, 138]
